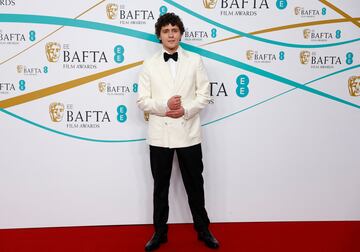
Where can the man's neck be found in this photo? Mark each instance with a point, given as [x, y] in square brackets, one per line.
[171, 51]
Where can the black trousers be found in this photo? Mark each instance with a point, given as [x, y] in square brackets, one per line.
[191, 167]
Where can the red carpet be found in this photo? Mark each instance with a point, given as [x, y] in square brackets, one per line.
[233, 237]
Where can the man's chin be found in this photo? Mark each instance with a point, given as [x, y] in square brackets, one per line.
[172, 47]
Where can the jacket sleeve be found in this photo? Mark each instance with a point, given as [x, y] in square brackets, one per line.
[202, 92]
[145, 101]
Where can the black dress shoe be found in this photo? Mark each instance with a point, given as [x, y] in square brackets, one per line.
[156, 241]
[208, 238]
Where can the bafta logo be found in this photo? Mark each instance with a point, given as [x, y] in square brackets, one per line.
[20, 68]
[304, 57]
[297, 10]
[146, 116]
[249, 54]
[52, 50]
[56, 111]
[354, 85]
[111, 10]
[102, 87]
[210, 4]
[306, 33]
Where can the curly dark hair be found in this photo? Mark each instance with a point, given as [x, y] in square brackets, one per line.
[168, 18]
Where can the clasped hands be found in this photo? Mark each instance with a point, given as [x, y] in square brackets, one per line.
[174, 104]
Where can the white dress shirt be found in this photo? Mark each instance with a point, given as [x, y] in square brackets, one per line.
[172, 64]
[173, 67]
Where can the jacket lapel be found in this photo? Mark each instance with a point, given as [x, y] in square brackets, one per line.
[181, 69]
[164, 70]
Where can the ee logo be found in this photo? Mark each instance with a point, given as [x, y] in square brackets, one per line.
[242, 82]
[121, 113]
[119, 54]
[281, 4]
[349, 58]
[163, 10]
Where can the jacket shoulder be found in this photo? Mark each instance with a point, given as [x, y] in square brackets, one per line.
[152, 59]
[193, 57]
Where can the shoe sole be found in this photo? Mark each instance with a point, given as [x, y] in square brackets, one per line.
[209, 245]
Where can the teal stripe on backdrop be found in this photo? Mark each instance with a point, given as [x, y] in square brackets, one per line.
[66, 134]
[250, 36]
[205, 124]
[264, 73]
[278, 95]
[150, 37]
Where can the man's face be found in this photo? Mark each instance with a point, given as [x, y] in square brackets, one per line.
[170, 37]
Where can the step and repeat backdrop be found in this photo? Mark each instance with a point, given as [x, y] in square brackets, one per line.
[280, 134]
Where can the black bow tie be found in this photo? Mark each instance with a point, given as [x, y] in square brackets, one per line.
[167, 56]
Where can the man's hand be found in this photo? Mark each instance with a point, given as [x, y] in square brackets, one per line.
[175, 113]
[174, 103]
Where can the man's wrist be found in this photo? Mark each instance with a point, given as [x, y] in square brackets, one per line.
[185, 115]
[166, 106]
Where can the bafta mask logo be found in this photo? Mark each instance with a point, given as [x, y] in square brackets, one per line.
[20, 68]
[56, 111]
[297, 10]
[354, 85]
[210, 4]
[306, 33]
[146, 116]
[102, 87]
[52, 50]
[111, 10]
[249, 54]
[304, 57]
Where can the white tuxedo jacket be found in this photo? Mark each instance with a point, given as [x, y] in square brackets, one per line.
[156, 86]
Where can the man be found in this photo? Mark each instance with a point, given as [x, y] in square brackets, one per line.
[173, 88]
